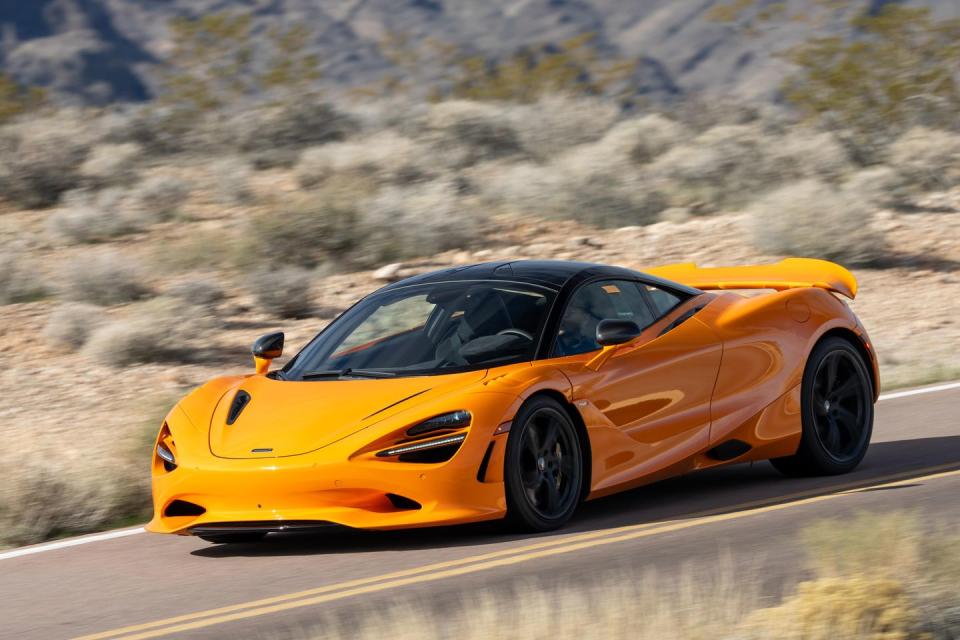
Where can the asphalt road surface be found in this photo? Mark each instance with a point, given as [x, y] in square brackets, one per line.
[136, 585]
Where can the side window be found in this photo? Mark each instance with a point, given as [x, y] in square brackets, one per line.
[591, 303]
[662, 299]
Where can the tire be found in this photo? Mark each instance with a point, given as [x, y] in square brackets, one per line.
[543, 467]
[234, 538]
[836, 411]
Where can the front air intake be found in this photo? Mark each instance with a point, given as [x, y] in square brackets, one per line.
[403, 503]
[181, 508]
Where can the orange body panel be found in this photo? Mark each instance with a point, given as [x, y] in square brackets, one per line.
[651, 408]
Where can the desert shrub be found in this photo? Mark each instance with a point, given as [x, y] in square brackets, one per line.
[38, 164]
[471, 132]
[385, 156]
[198, 291]
[812, 218]
[840, 608]
[556, 122]
[575, 187]
[293, 125]
[159, 198]
[232, 181]
[39, 501]
[418, 220]
[93, 216]
[726, 166]
[70, 325]
[879, 185]
[305, 231]
[103, 279]
[110, 164]
[284, 292]
[19, 281]
[645, 138]
[927, 159]
[158, 330]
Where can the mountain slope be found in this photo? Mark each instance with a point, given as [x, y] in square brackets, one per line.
[98, 51]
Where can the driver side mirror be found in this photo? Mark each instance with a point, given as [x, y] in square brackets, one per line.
[265, 349]
[611, 332]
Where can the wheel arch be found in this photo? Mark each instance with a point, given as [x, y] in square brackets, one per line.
[586, 453]
[857, 342]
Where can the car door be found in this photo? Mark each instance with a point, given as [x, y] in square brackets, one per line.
[647, 406]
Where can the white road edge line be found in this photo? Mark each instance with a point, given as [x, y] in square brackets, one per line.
[917, 392]
[122, 533]
[69, 542]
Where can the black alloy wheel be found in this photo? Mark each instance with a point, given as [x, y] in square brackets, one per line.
[837, 412]
[544, 466]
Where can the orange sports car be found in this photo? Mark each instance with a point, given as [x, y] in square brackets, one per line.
[518, 389]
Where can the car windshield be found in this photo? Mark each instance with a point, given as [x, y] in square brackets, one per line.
[428, 329]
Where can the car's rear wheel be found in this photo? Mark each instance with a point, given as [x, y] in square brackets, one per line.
[543, 467]
[837, 412]
[233, 538]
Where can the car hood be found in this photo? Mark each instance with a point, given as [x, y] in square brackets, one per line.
[287, 418]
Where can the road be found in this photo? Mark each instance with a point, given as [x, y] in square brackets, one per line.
[143, 585]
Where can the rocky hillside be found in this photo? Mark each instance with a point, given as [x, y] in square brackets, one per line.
[99, 51]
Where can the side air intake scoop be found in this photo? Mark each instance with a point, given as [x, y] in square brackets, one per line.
[240, 401]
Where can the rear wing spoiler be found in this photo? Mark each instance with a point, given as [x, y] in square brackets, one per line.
[791, 273]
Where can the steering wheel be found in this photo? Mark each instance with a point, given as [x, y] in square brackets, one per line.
[516, 332]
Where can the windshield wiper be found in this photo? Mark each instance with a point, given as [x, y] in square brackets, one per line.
[346, 373]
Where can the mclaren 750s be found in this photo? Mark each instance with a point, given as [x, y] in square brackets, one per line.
[517, 390]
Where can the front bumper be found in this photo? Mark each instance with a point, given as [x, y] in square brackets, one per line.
[353, 493]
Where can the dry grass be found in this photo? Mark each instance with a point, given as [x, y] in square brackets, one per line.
[873, 577]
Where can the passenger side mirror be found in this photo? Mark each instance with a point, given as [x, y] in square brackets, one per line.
[612, 332]
[265, 349]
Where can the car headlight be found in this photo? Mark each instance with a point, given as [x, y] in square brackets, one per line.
[165, 454]
[451, 443]
[166, 449]
[453, 420]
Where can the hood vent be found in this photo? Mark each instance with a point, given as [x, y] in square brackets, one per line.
[240, 401]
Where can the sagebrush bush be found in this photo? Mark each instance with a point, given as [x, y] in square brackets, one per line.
[232, 178]
[305, 231]
[159, 198]
[727, 166]
[40, 500]
[557, 122]
[284, 292]
[878, 185]
[291, 126]
[385, 156]
[645, 138]
[70, 325]
[812, 218]
[37, 165]
[110, 164]
[19, 280]
[103, 279]
[158, 330]
[199, 291]
[416, 221]
[574, 187]
[927, 159]
[465, 133]
[93, 216]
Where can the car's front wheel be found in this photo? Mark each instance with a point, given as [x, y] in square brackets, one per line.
[836, 410]
[543, 468]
